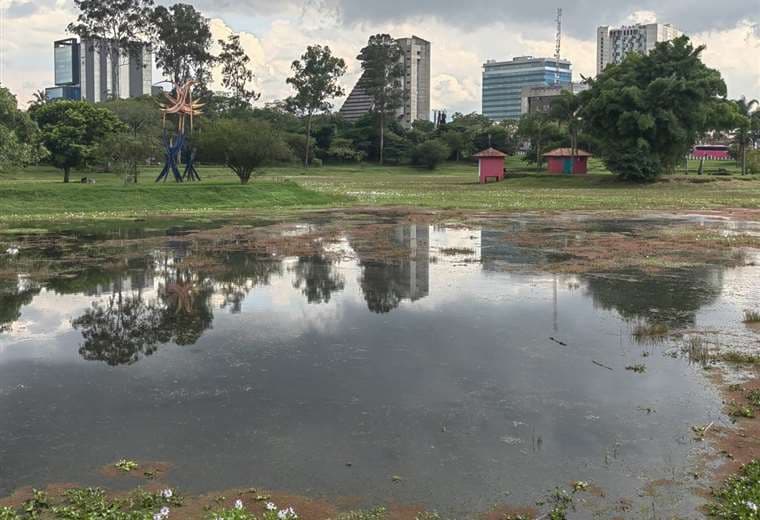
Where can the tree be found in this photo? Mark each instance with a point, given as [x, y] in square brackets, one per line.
[39, 97]
[535, 127]
[140, 115]
[431, 153]
[125, 152]
[315, 80]
[242, 145]
[236, 73]
[565, 109]
[647, 112]
[383, 70]
[182, 43]
[19, 136]
[747, 127]
[117, 28]
[73, 130]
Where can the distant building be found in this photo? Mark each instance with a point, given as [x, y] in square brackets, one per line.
[415, 84]
[84, 71]
[503, 83]
[615, 43]
[538, 98]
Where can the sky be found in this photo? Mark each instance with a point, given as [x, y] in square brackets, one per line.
[464, 34]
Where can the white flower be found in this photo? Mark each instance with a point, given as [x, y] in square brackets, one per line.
[287, 514]
[164, 512]
[157, 516]
[238, 504]
[167, 493]
[270, 506]
[12, 251]
[752, 506]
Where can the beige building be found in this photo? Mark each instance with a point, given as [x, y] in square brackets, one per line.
[615, 43]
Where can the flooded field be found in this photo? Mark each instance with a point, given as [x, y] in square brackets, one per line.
[381, 359]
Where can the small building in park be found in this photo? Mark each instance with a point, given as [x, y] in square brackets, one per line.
[490, 165]
[561, 161]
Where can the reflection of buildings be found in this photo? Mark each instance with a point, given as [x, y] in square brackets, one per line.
[498, 250]
[400, 273]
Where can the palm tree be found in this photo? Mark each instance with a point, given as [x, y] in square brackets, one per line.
[566, 109]
[39, 98]
[747, 128]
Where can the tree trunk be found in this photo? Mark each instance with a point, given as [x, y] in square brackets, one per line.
[308, 139]
[744, 159]
[66, 172]
[382, 137]
[538, 153]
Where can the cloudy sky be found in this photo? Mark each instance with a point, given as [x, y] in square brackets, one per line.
[464, 34]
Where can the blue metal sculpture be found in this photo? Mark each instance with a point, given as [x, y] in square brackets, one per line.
[183, 106]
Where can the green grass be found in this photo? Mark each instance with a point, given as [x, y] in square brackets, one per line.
[739, 498]
[39, 192]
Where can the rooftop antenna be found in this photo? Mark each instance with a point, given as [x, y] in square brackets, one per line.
[558, 50]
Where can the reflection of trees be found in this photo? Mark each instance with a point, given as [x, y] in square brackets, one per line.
[673, 297]
[317, 278]
[13, 296]
[186, 309]
[119, 331]
[242, 272]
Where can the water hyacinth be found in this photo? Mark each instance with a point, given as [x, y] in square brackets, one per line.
[270, 506]
[163, 514]
[238, 504]
[167, 493]
[287, 514]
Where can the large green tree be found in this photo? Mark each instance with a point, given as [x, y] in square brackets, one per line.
[647, 112]
[19, 136]
[117, 28]
[537, 127]
[315, 80]
[566, 109]
[182, 44]
[73, 130]
[383, 70]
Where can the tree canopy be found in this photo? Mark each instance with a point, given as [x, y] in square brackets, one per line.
[648, 111]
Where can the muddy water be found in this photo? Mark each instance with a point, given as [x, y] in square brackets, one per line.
[453, 373]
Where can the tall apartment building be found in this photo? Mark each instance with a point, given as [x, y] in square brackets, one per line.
[415, 83]
[615, 43]
[85, 70]
[504, 81]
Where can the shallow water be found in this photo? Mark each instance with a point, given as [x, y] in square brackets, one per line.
[329, 375]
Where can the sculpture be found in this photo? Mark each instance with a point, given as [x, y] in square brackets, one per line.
[183, 106]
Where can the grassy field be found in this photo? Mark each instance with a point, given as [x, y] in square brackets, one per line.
[38, 193]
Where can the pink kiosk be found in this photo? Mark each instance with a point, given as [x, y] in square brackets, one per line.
[490, 165]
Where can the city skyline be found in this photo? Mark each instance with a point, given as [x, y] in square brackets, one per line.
[277, 34]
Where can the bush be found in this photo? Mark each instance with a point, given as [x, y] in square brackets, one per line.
[753, 161]
[430, 153]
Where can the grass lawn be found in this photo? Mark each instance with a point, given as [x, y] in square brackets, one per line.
[38, 193]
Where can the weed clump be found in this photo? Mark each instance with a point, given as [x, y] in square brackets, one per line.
[739, 498]
[751, 316]
[643, 332]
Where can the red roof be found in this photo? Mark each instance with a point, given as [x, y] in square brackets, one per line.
[491, 152]
[567, 152]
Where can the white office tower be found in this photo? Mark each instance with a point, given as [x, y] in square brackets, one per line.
[615, 43]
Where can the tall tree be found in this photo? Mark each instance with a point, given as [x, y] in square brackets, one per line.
[39, 97]
[747, 124]
[73, 130]
[19, 136]
[647, 112]
[566, 110]
[117, 28]
[383, 70]
[236, 72]
[535, 127]
[315, 80]
[182, 43]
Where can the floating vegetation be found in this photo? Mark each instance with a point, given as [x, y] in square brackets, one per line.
[739, 498]
[701, 431]
[650, 332]
[126, 465]
[373, 514]
[638, 368]
[751, 316]
[738, 358]
[738, 410]
[753, 397]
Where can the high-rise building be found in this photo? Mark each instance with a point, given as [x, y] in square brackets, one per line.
[415, 84]
[615, 43]
[85, 70]
[503, 83]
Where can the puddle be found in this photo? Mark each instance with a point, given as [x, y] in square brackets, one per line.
[396, 362]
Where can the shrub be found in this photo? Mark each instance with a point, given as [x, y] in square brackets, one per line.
[430, 153]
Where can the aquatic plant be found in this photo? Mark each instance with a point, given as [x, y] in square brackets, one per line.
[650, 332]
[126, 465]
[372, 514]
[753, 397]
[638, 368]
[737, 410]
[751, 316]
[739, 498]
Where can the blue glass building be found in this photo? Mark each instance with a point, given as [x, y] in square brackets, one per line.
[503, 82]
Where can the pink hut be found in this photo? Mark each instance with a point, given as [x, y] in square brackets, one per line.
[490, 165]
[561, 161]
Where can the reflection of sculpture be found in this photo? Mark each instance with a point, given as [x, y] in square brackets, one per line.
[183, 106]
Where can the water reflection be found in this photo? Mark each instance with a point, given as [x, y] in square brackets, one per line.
[14, 295]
